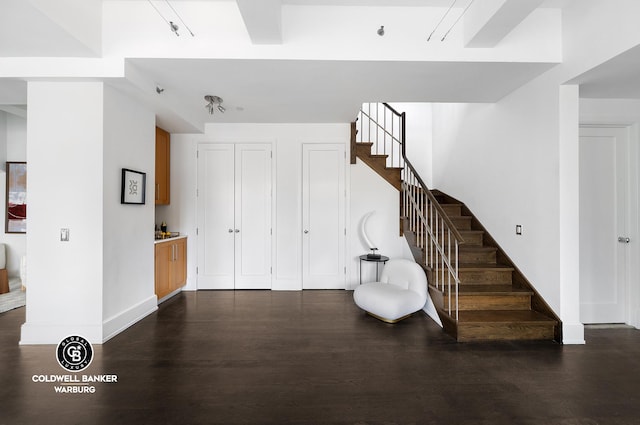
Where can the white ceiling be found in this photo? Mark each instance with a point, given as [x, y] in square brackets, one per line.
[325, 91]
[303, 90]
[618, 78]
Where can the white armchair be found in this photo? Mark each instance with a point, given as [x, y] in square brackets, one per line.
[402, 291]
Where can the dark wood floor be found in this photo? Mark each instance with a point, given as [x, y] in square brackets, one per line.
[261, 357]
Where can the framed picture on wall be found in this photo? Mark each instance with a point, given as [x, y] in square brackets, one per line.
[16, 202]
[133, 187]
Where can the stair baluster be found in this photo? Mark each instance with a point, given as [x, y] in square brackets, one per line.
[384, 128]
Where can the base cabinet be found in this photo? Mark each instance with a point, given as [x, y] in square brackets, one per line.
[171, 266]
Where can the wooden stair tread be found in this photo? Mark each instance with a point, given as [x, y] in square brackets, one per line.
[483, 267]
[503, 316]
[476, 248]
[498, 290]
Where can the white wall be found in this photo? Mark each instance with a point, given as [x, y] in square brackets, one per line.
[368, 192]
[501, 161]
[80, 134]
[64, 152]
[419, 135]
[128, 234]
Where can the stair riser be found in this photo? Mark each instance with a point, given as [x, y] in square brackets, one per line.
[485, 277]
[461, 223]
[481, 302]
[481, 257]
[493, 302]
[474, 239]
[504, 331]
[449, 210]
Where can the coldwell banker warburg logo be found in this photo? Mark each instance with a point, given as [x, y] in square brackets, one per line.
[74, 354]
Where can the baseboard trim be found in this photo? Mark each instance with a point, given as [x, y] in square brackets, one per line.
[44, 334]
[573, 333]
[116, 324]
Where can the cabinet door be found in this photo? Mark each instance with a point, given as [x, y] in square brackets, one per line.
[163, 146]
[179, 264]
[162, 269]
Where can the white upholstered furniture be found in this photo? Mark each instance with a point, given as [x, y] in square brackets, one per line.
[402, 291]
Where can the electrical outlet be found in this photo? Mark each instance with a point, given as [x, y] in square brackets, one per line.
[518, 229]
[64, 235]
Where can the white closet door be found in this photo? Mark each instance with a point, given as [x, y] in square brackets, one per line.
[253, 216]
[603, 216]
[323, 197]
[216, 228]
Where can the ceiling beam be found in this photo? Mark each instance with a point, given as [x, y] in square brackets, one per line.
[487, 22]
[263, 20]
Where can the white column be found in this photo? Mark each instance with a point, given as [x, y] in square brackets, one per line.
[572, 328]
[64, 186]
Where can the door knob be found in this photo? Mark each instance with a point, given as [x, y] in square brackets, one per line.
[623, 239]
[237, 230]
[306, 231]
[230, 230]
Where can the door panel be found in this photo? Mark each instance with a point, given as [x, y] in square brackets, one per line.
[603, 207]
[234, 216]
[323, 220]
[216, 216]
[253, 216]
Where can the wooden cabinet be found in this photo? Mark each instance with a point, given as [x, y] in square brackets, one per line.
[171, 266]
[163, 159]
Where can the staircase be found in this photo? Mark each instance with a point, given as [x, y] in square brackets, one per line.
[478, 291]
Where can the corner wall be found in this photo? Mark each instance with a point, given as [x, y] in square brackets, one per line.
[128, 257]
[100, 281]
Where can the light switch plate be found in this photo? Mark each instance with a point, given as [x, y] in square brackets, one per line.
[64, 235]
[518, 229]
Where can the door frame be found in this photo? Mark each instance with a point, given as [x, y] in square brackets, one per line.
[632, 287]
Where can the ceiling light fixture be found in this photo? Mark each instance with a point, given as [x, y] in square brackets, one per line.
[159, 89]
[214, 102]
[380, 31]
[172, 25]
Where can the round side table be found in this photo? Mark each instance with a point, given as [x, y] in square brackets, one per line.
[383, 259]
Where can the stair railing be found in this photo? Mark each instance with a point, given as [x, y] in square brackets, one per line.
[435, 233]
[380, 124]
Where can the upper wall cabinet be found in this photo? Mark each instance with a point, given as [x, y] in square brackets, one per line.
[163, 148]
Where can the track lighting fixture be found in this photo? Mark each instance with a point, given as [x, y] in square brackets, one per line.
[452, 25]
[172, 25]
[380, 31]
[214, 102]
